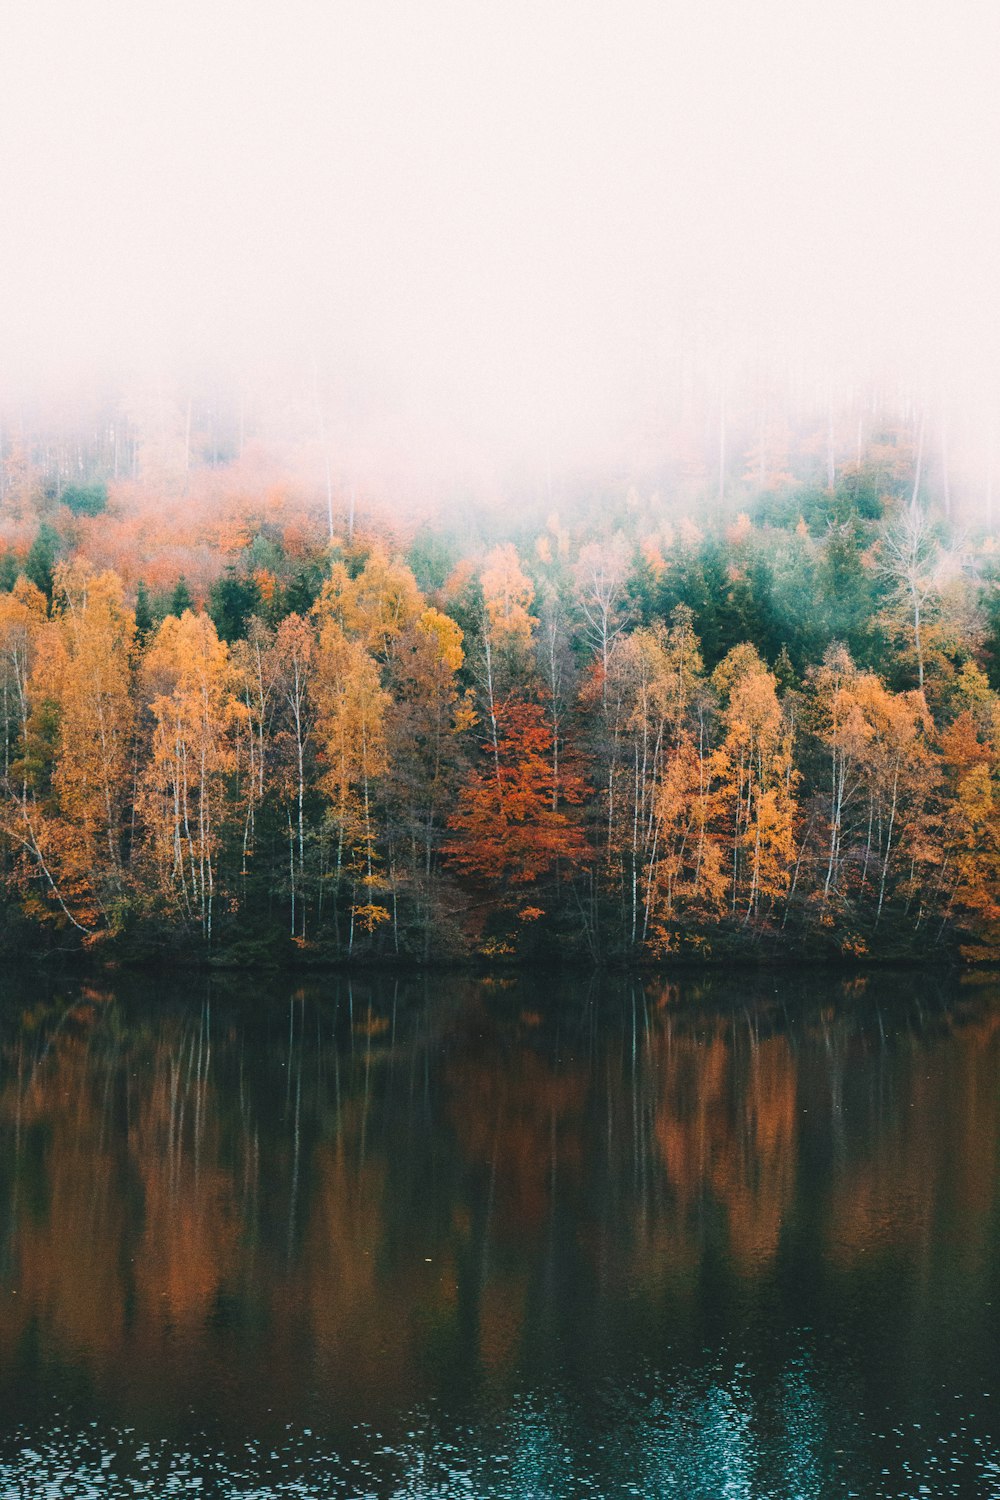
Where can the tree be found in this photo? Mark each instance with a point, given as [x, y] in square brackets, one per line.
[915, 566]
[757, 782]
[183, 791]
[85, 499]
[143, 612]
[22, 616]
[556, 666]
[350, 734]
[900, 773]
[180, 599]
[41, 560]
[508, 594]
[294, 664]
[687, 873]
[841, 727]
[972, 835]
[645, 697]
[232, 601]
[92, 685]
[600, 573]
[376, 606]
[882, 779]
[76, 741]
[429, 714]
[506, 632]
[506, 831]
[255, 667]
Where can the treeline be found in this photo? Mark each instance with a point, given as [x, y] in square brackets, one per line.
[773, 735]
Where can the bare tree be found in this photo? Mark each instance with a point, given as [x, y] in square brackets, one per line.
[555, 664]
[600, 575]
[916, 567]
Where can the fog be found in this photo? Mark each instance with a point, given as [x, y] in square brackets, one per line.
[489, 235]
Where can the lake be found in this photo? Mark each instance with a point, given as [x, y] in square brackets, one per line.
[708, 1238]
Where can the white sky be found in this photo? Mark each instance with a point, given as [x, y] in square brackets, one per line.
[511, 215]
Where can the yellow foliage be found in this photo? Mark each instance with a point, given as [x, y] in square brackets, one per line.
[370, 916]
[508, 594]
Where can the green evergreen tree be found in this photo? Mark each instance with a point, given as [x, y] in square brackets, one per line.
[85, 499]
[180, 599]
[301, 592]
[143, 612]
[231, 602]
[42, 559]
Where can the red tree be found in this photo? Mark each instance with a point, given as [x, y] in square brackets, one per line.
[506, 828]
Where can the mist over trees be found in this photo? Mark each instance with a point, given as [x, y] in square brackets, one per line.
[708, 433]
[656, 722]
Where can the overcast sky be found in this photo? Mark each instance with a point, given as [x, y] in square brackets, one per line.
[512, 216]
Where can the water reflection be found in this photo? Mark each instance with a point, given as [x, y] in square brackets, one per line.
[727, 1238]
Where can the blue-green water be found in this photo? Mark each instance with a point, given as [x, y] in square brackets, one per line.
[707, 1239]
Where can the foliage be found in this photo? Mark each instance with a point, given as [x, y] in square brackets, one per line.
[777, 731]
[508, 831]
[85, 499]
[41, 560]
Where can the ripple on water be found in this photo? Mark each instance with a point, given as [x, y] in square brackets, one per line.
[715, 1444]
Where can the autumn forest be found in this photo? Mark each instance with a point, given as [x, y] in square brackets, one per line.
[249, 719]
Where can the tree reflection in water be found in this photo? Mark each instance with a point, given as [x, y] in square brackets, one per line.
[723, 1235]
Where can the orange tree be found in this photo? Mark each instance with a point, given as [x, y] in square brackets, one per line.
[506, 834]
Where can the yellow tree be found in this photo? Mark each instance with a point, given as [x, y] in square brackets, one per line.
[76, 765]
[190, 685]
[351, 709]
[22, 615]
[648, 698]
[971, 862]
[427, 716]
[295, 655]
[880, 806]
[757, 782]
[507, 633]
[377, 606]
[97, 641]
[842, 728]
[508, 594]
[381, 612]
[30, 731]
[635, 684]
[901, 772]
[688, 875]
[255, 666]
[273, 672]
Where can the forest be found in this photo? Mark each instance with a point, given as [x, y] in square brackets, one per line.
[243, 720]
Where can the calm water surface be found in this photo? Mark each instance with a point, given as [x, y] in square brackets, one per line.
[708, 1239]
